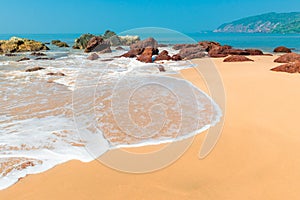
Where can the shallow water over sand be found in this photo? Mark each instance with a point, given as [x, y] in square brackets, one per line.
[98, 105]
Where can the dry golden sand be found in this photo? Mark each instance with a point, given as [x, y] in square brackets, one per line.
[257, 156]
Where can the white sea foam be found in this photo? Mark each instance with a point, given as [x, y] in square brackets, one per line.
[41, 126]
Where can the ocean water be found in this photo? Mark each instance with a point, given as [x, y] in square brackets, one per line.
[265, 41]
[103, 104]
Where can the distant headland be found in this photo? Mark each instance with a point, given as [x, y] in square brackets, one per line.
[265, 23]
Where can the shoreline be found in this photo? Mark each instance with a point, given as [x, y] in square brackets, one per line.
[254, 153]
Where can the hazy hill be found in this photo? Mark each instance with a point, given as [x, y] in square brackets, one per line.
[265, 23]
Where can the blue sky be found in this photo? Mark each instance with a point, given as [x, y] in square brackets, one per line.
[95, 16]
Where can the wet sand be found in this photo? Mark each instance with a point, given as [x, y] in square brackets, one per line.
[257, 156]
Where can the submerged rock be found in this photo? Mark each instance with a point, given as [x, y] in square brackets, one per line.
[15, 44]
[44, 58]
[59, 43]
[282, 49]
[34, 69]
[237, 58]
[55, 74]
[10, 54]
[82, 41]
[289, 57]
[93, 56]
[37, 54]
[23, 59]
[161, 68]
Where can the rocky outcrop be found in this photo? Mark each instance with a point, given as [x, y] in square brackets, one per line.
[282, 49]
[237, 58]
[293, 67]
[97, 44]
[82, 41]
[147, 54]
[164, 55]
[149, 42]
[144, 48]
[93, 56]
[216, 50]
[16, 44]
[59, 43]
[192, 52]
[289, 57]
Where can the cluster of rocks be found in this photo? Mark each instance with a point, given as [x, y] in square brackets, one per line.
[15, 44]
[147, 51]
[216, 50]
[109, 37]
[292, 61]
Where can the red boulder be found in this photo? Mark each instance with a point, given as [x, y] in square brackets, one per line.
[237, 58]
[282, 49]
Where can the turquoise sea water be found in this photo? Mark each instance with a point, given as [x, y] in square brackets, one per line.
[266, 42]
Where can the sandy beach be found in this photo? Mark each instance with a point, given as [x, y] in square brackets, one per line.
[257, 156]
